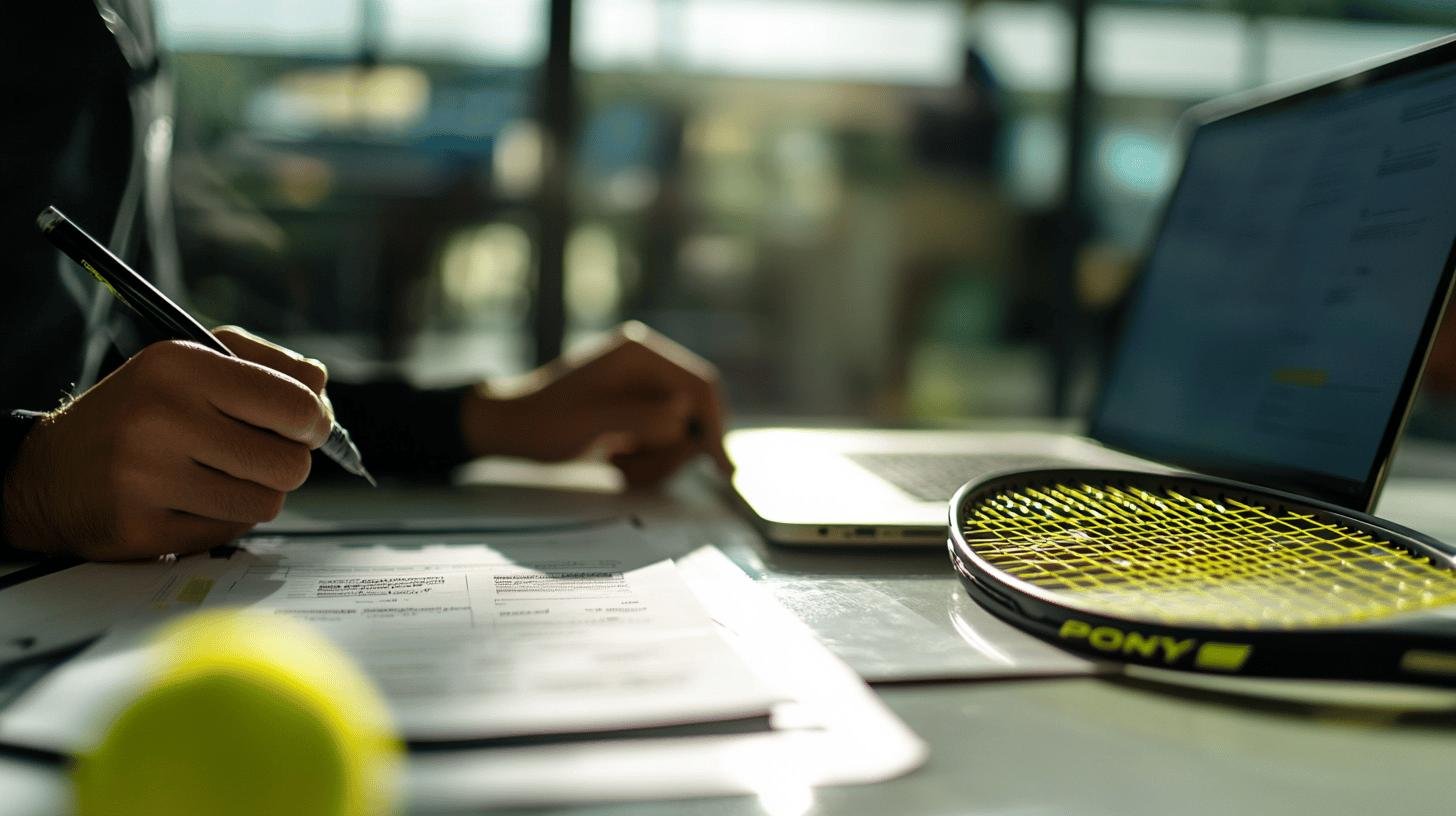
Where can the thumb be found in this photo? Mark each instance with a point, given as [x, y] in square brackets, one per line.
[255, 349]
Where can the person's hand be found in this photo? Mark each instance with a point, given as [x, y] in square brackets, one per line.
[651, 403]
[177, 450]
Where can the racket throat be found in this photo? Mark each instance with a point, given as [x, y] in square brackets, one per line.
[1152, 648]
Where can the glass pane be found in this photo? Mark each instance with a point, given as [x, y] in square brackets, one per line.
[356, 176]
[812, 193]
[852, 206]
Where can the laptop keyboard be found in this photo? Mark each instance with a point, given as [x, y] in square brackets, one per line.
[937, 476]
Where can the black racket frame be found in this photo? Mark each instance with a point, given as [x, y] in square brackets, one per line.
[1415, 650]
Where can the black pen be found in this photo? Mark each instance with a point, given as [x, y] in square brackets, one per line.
[156, 308]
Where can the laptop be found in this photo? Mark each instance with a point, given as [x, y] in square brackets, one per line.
[1276, 335]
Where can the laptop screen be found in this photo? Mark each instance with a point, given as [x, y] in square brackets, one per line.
[1288, 299]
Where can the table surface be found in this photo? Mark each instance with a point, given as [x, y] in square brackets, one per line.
[1087, 745]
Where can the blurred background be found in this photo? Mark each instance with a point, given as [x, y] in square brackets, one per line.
[901, 211]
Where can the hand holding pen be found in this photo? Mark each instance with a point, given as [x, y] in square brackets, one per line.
[167, 317]
[181, 448]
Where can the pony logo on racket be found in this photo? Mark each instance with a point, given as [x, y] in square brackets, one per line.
[1170, 650]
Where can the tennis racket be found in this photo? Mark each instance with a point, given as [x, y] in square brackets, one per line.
[1207, 575]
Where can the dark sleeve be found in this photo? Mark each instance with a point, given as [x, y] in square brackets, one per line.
[14, 425]
[402, 429]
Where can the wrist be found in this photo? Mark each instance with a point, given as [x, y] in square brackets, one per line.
[22, 522]
[484, 422]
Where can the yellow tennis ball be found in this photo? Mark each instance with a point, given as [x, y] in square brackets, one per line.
[246, 714]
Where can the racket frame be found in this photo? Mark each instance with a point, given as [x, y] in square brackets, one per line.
[1402, 648]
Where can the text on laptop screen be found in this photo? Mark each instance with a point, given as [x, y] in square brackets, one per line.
[1286, 294]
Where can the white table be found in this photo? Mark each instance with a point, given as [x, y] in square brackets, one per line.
[1070, 745]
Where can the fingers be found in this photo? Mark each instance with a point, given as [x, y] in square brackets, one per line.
[246, 391]
[642, 422]
[640, 360]
[654, 438]
[245, 452]
[211, 494]
[170, 506]
[166, 531]
[654, 355]
[255, 349]
[646, 468]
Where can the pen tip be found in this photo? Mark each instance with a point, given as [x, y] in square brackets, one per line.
[368, 476]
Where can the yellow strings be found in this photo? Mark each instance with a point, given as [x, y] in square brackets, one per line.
[1182, 558]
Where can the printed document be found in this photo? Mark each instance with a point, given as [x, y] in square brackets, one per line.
[471, 637]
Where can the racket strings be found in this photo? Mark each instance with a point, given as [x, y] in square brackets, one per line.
[1180, 557]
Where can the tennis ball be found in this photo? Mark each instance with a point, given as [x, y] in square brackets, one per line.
[245, 714]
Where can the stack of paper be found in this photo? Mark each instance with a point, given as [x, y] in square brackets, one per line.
[525, 634]
[496, 651]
